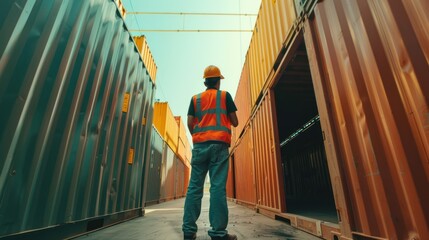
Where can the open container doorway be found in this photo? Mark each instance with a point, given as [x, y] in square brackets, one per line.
[308, 188]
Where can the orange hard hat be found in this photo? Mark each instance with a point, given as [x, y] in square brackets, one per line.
[212, 71]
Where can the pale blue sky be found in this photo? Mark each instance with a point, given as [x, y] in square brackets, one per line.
[182, 57]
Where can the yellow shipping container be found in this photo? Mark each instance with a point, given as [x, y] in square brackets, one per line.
[182, 128]
[164, 122]
[275, 21]
[183, 143]
[146, 55]
[188, 154]
[121, 8]
[181, 150]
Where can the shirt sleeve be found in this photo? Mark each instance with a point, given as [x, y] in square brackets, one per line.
[191, 109]
[230, 105]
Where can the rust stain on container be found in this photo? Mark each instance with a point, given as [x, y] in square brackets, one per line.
[370, 59]
[275, 19]
[146, 56]
[309, 226]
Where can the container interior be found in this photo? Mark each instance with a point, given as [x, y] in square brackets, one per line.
[308, 187]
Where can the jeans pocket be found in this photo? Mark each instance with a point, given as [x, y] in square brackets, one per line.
[222, 152]
[196, 155]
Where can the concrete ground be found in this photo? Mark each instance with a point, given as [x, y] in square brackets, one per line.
[164, 221]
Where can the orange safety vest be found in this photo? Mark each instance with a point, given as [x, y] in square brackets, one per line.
[211, 122]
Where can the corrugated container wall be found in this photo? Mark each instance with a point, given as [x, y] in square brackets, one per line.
[187, 175]
[183, 142]
[230, 185]
[168, 174]
[164, 122]
[242, 101]
[153, 183]
[180, 178]
[369, 62]
[269, 177]
[244, 171]
[188, 154]
[72, 88]
[147, 56]
[121, 8]
[275, 20]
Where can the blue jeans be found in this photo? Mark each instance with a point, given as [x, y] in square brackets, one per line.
[211, 157]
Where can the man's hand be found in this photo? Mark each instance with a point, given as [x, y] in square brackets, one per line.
[233, 118]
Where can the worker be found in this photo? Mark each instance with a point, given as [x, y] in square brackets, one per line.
[210, 116]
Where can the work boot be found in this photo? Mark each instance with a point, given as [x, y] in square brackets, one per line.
[226, 237]
[189, 236]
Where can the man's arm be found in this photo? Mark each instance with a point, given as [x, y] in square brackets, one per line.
[191, 123]
[233, 118]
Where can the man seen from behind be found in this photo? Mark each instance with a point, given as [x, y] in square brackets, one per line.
[210, 116]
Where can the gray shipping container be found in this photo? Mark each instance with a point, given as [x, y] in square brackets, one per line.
[153, 183]
[168, 174]
[76, 115]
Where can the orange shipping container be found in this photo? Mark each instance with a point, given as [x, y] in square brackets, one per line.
[369, 62]
[164, 122]
[183, 143]
[274, 22]
[146, 55]
[242, 101]
[230, 185]
[269, 177]
[187, 176]
[188, 154]
[245, 179]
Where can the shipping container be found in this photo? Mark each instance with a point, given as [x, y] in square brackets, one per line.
[181, 148]
[121, 8]
[183, 142]
[168, 174]
[188, 154]
[243, 101]
[369, 64]
[153, 182]
[180, 178]
[273, 25]
[187, 176]
[244, 184]
[230, 181]
[146, 55]
[268, 172]
[165, 123]
[290, 172]
[309, 196]
[72, 88]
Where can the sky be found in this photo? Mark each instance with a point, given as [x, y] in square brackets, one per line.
[181, 57]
